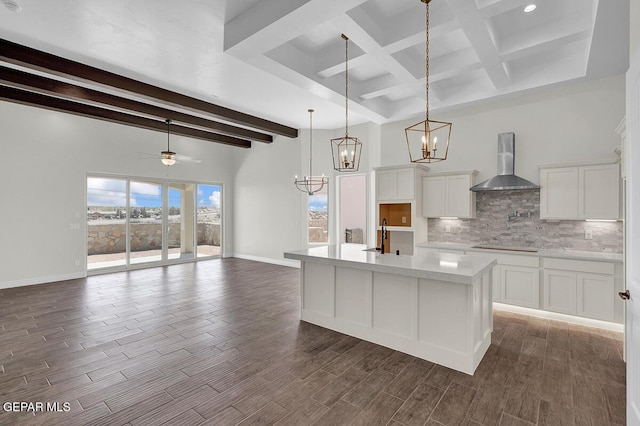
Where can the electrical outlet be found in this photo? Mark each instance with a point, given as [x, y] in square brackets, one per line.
[404, 219]
[447, 228]
[588, 234]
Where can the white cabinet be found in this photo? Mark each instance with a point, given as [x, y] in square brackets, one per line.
[516, 281]
[448, 195]
[596, 295]
[399, 201]
[599, 192]
[559, 291]
[559, 193]
[495, 283]
[434, 196]
[578, 192]
[395, 184]
[520, 285]
[579, 287]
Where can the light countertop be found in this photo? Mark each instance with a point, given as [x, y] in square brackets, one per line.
[558, 253]
[452, 267]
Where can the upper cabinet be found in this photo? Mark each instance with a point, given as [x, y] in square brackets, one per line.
[397, 183]
[580, 191]
[447, 194]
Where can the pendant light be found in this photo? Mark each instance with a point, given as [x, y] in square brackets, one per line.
[168, 157]
[310, 184]
[428, 140]
[346, 150]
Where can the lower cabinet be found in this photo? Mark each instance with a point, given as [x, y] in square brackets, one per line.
[516, 281]
[574, 287]
[579, 288]
[596, 295]
[559, 290]
[520, 285]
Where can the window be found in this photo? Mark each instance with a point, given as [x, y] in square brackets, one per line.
[136, 221]
[318, 217]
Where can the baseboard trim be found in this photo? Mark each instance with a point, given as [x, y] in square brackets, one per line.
[612, 326]
[282, 262]
[42, 280]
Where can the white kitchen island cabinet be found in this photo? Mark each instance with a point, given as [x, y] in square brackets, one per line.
[435, 306]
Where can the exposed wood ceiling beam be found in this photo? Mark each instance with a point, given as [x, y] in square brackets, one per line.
[36, 59]
[24, 97]
[17, 78]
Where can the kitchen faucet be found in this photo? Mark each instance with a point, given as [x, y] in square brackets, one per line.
[383, 235]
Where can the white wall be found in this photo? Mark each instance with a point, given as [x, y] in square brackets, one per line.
[46, 157]
[270, 212]
[567, 123]
[634, 27]
[267, 205]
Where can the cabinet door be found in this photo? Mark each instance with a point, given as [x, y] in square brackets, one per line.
[559, 193]
[559, 291]
[459, 197]
[386, 185]
[495, 283]
[600, 192]
[595, 296]
[434, 196]
[404, 184]
[520, 286]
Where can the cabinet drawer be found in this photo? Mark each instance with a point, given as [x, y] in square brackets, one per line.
[515, 260]
[579, 265]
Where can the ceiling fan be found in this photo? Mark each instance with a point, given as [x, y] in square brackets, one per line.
[169, 157]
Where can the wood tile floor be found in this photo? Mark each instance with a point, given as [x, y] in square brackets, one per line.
[219, 343]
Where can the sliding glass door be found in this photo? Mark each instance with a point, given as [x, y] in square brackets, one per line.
[133, 221]
[181, 221]
[145, 222]
[106, 222]
[209, 220]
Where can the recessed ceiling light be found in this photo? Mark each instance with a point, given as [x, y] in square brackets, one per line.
[530, 8]
[11, 6]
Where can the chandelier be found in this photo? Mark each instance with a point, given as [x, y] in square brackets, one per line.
[168, 157]
[346, 150]
[428, 140]
[310, 184]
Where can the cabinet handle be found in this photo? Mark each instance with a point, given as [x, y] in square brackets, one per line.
[624, 295]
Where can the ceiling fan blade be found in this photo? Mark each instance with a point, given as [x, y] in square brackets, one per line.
[187, 159]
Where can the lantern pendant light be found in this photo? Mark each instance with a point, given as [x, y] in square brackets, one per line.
[346, 150]
[428, 140]
[168, 157]
[310, 184]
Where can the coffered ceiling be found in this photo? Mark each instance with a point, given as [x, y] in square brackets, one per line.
[277, 58]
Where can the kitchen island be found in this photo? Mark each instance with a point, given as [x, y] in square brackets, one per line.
[436, 306]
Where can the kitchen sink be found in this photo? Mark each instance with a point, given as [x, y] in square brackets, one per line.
[490, 247]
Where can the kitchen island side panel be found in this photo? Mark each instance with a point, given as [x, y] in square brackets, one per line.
[440, 321]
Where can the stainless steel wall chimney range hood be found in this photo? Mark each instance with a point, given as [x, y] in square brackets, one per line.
[506, 179]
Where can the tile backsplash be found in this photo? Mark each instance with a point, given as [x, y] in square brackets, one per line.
[492, 225]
